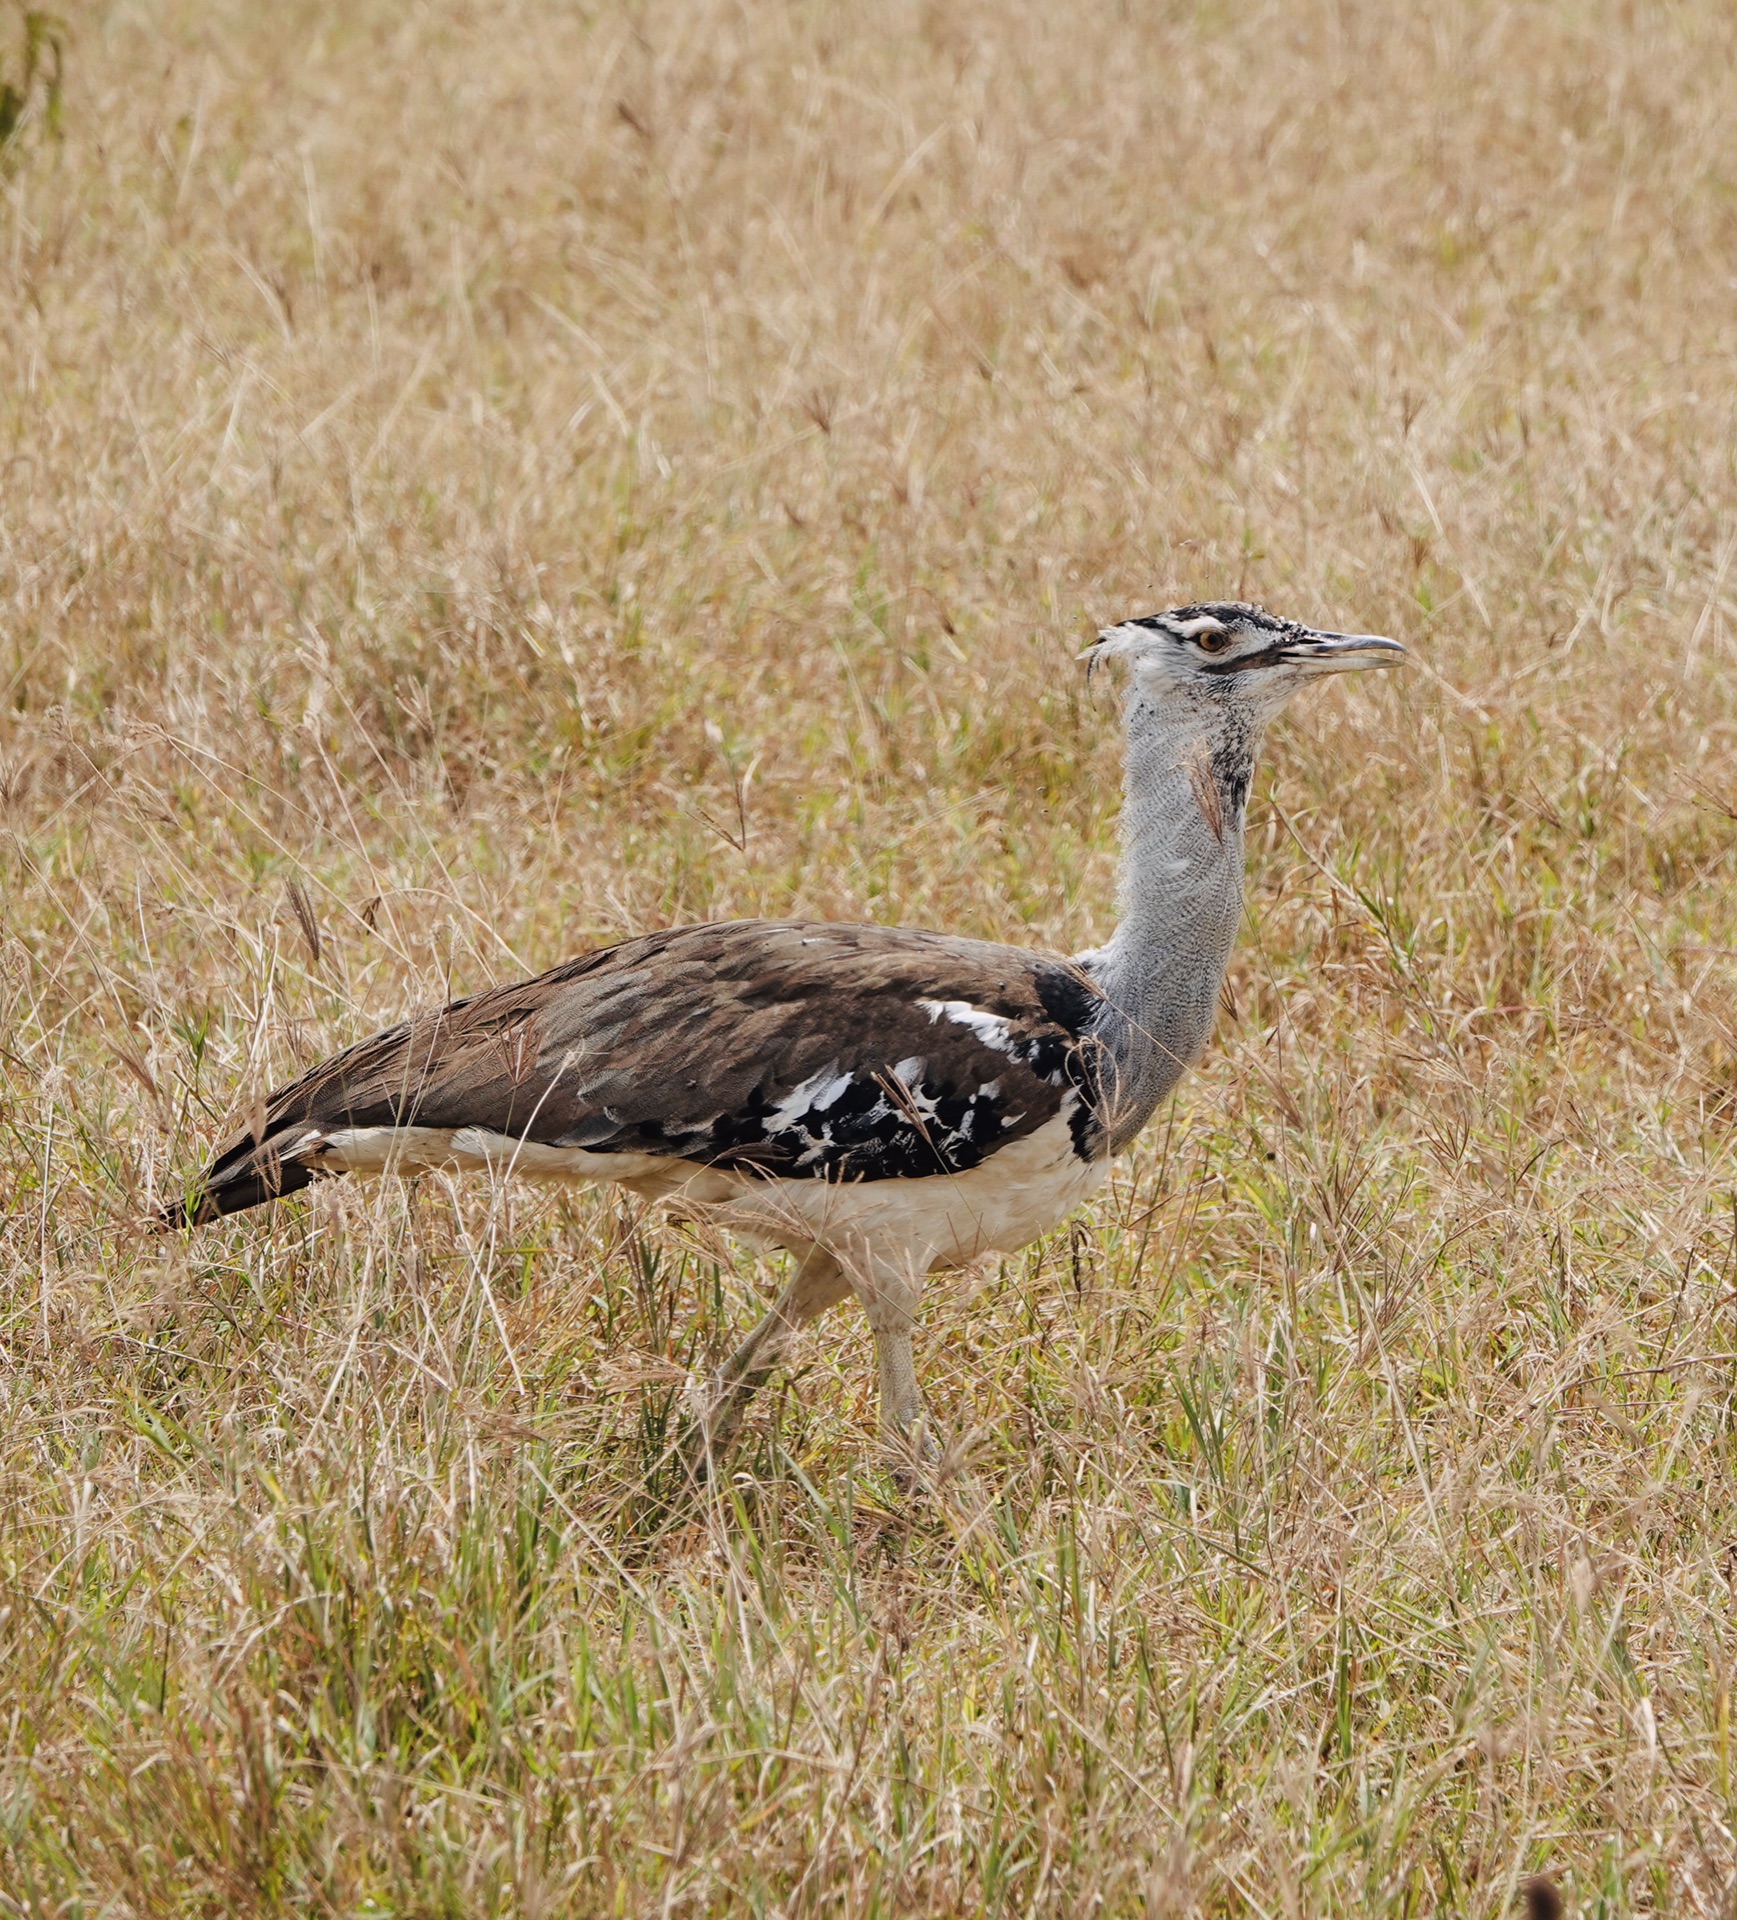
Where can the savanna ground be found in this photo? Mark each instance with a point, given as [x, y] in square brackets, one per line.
[481, 480]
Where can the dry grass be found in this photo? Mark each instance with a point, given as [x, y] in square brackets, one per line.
[518, 477]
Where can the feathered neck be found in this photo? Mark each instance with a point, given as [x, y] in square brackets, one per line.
[1186, 778]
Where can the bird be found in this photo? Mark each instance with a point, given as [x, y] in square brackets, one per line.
[880, 1102]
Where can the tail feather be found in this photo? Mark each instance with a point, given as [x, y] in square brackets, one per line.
[370, 1084]
[247, 1174]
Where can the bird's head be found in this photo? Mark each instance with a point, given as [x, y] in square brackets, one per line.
[1241, 659]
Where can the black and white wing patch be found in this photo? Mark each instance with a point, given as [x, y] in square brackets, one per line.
[976, 1080]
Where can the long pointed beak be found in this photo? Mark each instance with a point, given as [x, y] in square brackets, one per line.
[1346, 652]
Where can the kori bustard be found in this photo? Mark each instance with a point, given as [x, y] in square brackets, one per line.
[879, 1101]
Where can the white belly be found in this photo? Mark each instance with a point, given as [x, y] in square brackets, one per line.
[1014, 1197]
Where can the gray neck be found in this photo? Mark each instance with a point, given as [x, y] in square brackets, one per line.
[1188, 767]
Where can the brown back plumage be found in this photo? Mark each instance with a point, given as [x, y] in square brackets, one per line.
[698, 1043]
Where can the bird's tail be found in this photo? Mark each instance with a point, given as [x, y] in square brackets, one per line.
[247, 1173]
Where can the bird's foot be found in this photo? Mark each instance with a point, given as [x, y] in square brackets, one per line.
[917, 1453]
[715, 1410]
[698, 1451]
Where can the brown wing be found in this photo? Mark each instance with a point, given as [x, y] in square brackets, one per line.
[802, 1049]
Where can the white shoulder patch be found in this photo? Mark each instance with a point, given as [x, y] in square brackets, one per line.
[990, 1028]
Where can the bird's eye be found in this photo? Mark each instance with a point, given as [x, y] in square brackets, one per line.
[1212, 642]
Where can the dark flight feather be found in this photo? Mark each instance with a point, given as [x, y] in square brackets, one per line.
[796, 1049]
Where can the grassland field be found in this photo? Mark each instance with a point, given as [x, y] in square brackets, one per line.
[481, 480]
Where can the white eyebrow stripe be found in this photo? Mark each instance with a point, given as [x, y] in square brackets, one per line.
[1201, 623]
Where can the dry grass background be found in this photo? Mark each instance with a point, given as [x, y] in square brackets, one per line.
[522, 474]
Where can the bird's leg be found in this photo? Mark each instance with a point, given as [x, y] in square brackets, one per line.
[901, 1398]
[817, 1284]
[890, 1300]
